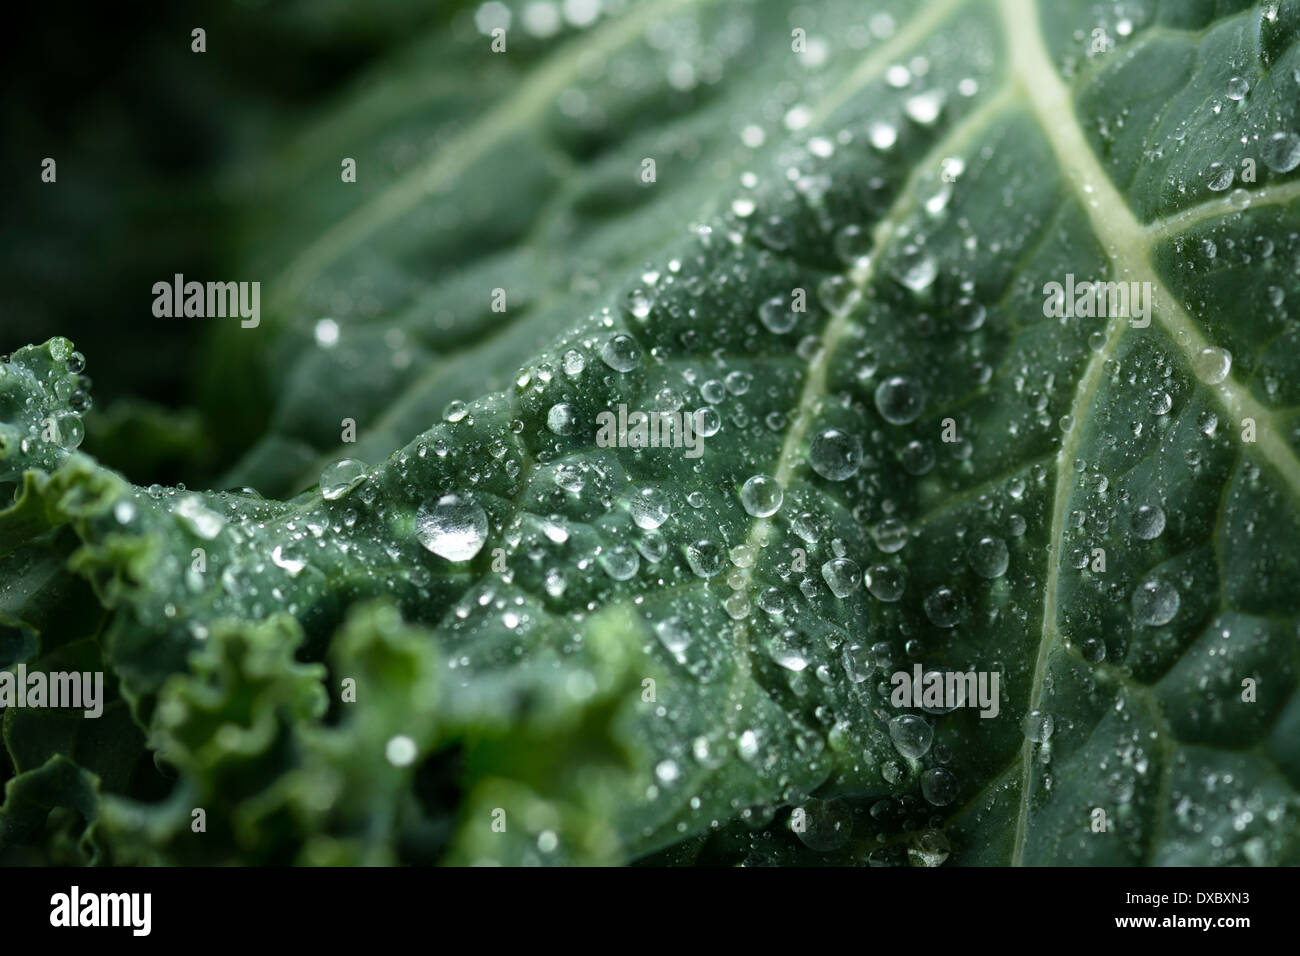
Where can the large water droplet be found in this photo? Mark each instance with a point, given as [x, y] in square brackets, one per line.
[885, 583]
[943, 606]
[338, 479]
[453, 528]
[777, 315]
[761, 496]
[1155, 602]
[911, 735]
[1212, 365]
[705, 557]
[989, 557]
[621, 353]
[620, 563]
[650, 508]
[900, 399]
[835, 455]
[562, 419]
[1281, 152]
[1219, 177]
[822, 825]
[842, 576]
[1148, 522]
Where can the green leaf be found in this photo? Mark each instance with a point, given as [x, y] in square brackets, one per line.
[1093, 508]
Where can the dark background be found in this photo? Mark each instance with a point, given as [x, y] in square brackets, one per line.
[142, 130]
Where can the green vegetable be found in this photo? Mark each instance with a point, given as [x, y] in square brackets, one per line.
[501, 639]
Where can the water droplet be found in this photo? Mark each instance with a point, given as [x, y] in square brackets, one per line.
[838, 295]
[777, 315]
[1038, 726]
[1281, 152]
[454, 528]
[890, 535]
[761, 496]
[842, 576]
[835, 455]
[574, 362]
[989, 558]
[900, 399]
[939, 786]
[738, 382]
[826, 824]
[338, 479]
[455, 411]
[562, 419]
[1148, 522]
[911, 735]
[917, 269]
[707, 421]
[943, 607]
[924, 108]
[1155, 602]
[705, 557]
[917, 458]
[784, 650]
[199, 518]
[621, 353]
[650, 508]
[1219, 177]
[620, 563]
[930, 848]
[639, 302]
[1238, 87]
[400, 751]
[1212, 365]
[886, 583]
[882, 136]
[898, 76]
[853, 246]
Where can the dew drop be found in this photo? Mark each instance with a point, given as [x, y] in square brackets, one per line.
[454, 528]
[777, 315]
[912, 735]
[1219, 177]
[761, 496]
[1155, 602]
[338, 479]
[900, 399]
[706, 557]
[924, 108]
[842, 576]
[1038, 726]
[885, 583]
[1212, 365]
[835, 455]
[1281, 152]
[562, 419]
[621, 353]
[1148, 522]
[989, 558]
[939, 786]
[650, 508]
[620, 563]
[943, 607]
[890, 535]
